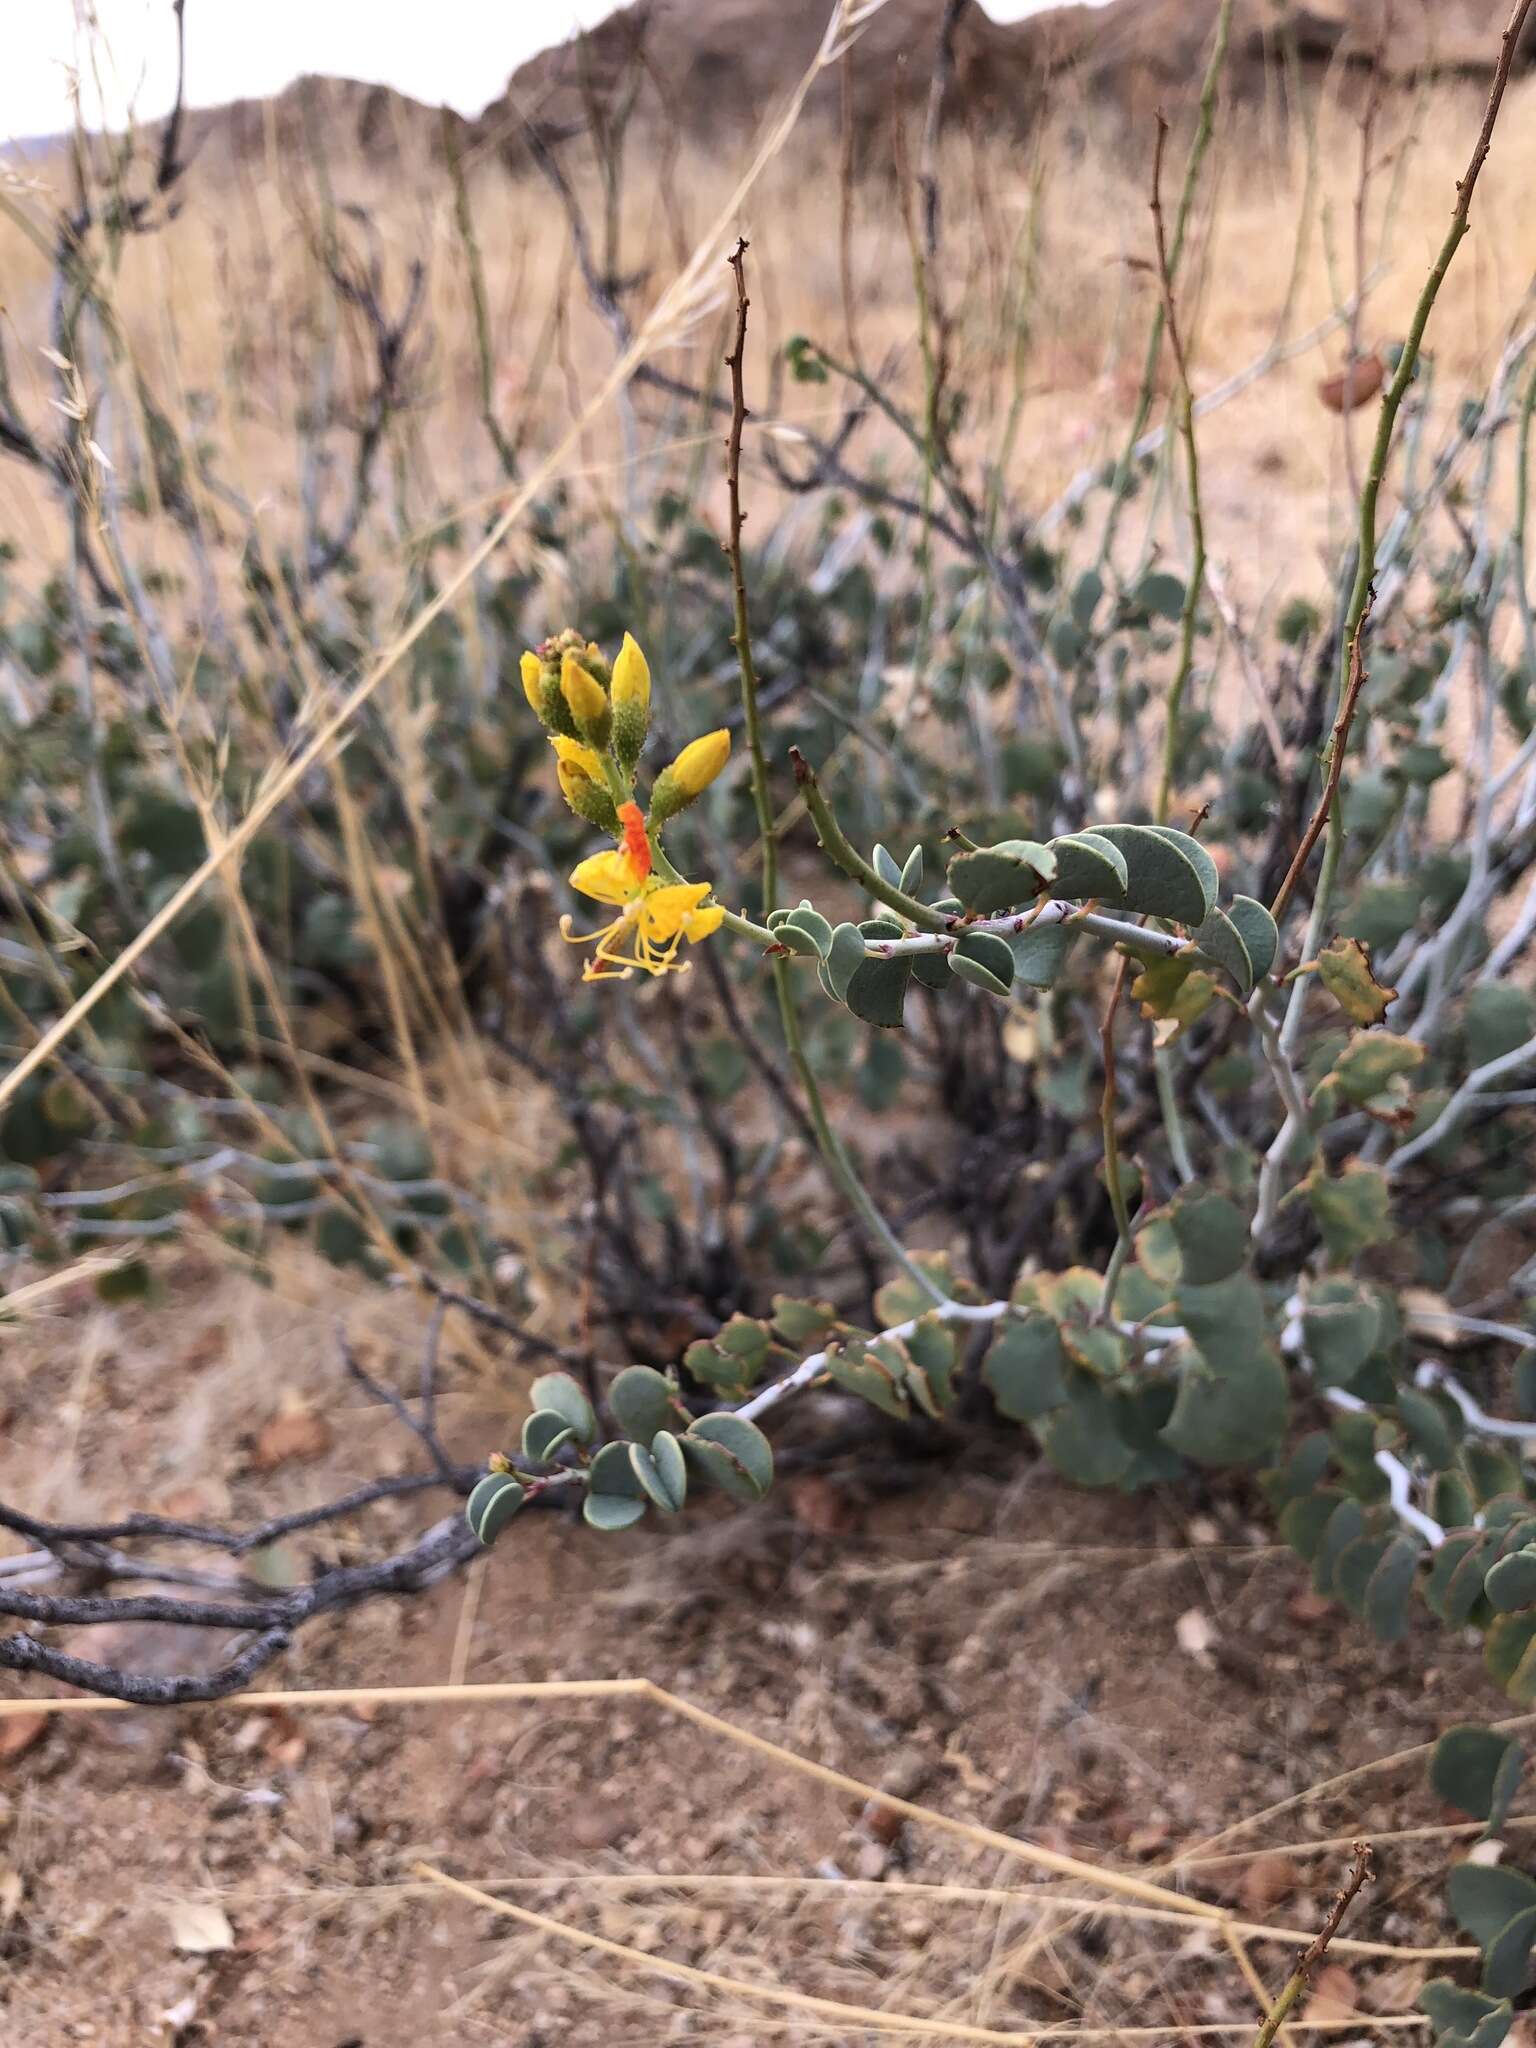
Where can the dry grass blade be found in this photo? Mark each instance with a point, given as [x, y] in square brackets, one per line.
[1153, 1902]
[713, 1884]
[1121, 1882]
[676, 310]
[863, 2015]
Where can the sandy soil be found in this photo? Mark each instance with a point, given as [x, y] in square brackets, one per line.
[1115, 1679]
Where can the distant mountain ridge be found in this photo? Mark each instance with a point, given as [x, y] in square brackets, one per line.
[711, 67]
[713, 70]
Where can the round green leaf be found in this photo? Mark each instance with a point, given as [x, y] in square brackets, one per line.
[1507, 1958]
[493, 1502]
[641, 1401]
[733, 1453]
[984, 960]
[564, 1396]
[1258, 932]
[845, 955]
[611, 1511]
[661, 1471]
[611, 1472]
[1471, 1767]
[1220, 940]
[1025, 1367]
[1088, 865]
[1511, 1583]
[988, 879]
[1164, 879]
[544, 1433]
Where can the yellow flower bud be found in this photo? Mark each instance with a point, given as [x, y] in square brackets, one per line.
[533, 681]
[586, 699]
[578, 759]
[699, 763]
[579, 772]
[631, 704]
[689, 775]
[631, 676]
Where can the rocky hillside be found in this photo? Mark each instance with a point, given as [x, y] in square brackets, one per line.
[710, 68]
[340, 117]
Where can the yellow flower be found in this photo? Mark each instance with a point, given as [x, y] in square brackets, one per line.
[690, 774]
[631, 676]
[654, 917]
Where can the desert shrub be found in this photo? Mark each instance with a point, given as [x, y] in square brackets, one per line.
[1187, 960]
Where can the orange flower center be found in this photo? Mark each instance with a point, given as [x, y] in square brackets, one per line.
[636, 847]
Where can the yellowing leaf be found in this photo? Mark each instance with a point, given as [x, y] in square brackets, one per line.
[1174, 993]
[1345, 968]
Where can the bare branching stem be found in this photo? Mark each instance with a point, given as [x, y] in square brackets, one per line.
[832, 1149]
[1362, 1874]
[1391, 405]
[1185, 410]
[479, 303]
[1338, 744]
[1205, 129]
[839, 848]
[741, 632]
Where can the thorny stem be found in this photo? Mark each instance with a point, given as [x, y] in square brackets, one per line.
[839, 848]
[832, 1147]
[1204, 130]
[741, 636]
[832, 1150]
[1392, 399]
[1362, 1873]
[1338, 745]
[1186, 423]
[1357, 611]
[485, 354]
[1522, 510]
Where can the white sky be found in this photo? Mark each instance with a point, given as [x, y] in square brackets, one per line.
[458, 51]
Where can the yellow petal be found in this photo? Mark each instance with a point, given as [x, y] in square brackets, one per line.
[700, 762]
[584, 694]
[631, 675]
[700, 923]
[533, 679]
[607, 877]
[673, 900]
[664, 911]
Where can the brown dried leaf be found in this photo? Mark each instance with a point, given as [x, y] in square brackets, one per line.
[817, 1503]
[1266, 1881]
[1335, 1995]
[18, 1732]
[1308, 1607]
[1350, 388]
[882, 1823]
[295, 1432]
